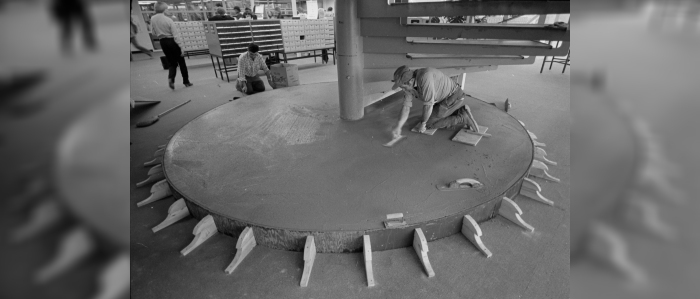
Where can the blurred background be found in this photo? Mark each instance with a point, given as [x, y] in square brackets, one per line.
[64, 214]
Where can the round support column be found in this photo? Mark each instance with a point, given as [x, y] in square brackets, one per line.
[350, 60]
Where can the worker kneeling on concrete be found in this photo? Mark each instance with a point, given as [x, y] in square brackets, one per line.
[249, 63]
[442, 99]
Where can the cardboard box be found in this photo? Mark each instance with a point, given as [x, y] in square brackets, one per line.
[284, 74]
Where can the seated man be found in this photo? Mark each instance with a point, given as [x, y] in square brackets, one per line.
[248, 14]
[249, 63]
[237, 13]
[221, 15]
[435, 91]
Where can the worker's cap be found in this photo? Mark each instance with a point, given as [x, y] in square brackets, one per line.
[402, 75]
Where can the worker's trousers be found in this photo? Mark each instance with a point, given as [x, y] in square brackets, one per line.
[449, 112]
[174, 54]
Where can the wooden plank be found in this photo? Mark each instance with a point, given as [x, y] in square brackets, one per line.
[430, 132]
[387, 74]
[420, 245]
[380, 61]
[511, 211]
[464, 136]
[540, 154]
[472, 231]
[367, 250]
[535, 195]
[204, 230]
[394, 45]
[309, 257]
[380, 9]
[392, 27]
[159, 191]
[245, 244]
[177, 211]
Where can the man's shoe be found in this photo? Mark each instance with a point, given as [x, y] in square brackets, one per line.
[188, 84]
[171, 83]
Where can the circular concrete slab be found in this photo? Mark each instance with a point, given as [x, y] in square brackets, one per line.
[284, 163]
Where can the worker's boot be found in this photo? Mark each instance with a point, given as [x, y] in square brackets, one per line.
[171, 83]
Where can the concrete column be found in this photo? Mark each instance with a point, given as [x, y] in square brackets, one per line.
[350, 60]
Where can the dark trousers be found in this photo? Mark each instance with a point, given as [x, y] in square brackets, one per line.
[174, 55]
[67, 15]
[449, 112]
[254, 85]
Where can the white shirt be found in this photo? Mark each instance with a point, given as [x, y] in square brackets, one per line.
[164, 27]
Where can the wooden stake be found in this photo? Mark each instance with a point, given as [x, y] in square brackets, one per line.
[151, 179]
[204, 230]
[543, 174]
[159, 191]
[244, 245]
[114, 280]
[177, 211]
[511, 211]
[367, 250]
[539, 164]
[156, 169]
[530, 184]
[472, 231]
[309, 257]
[420, 245]
[162, 145]
[538, 143]
[540, 155]
[608, 246]
[532, 135]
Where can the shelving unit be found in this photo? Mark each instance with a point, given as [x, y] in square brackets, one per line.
[193, 38]
[227, 40]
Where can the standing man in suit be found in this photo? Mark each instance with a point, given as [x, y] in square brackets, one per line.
[171, 42]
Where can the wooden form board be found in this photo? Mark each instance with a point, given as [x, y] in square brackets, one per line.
[367, 252]
[204, 230]
[309, 258]
[244, 245]
[463, 136]
[177, 211]
[420, 245]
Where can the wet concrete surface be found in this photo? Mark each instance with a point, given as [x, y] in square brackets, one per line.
[284, 159]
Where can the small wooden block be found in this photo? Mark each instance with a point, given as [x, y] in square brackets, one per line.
[464, 136]
[159, 191]
[159, 152]
[543, 174]
[151, 179]
[420, 245]
[367, 250]
[507, 105]
[156, 169]
[394, 220]
[511, 211]
[535, 195]
[245, 244]
[472, 231]
[177, 211]
[309, 257]
[530, 184]
[532, 135]
[204, 230]
[426, 132]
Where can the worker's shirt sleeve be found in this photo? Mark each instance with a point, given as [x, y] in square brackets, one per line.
[428, 90]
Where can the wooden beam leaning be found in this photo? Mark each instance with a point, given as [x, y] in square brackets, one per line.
[390, 45]
[245, 244]
[532, 190]
[511, 211]
[204, 230]
[380, 9]
[392, 27]
[382, 61]
[177, 211]
[472, 231]
[159, 191]
[420, 245]
[367, 251]
[309, 257]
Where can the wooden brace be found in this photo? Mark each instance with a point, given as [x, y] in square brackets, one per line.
[309, 257]
[540, 155]
[204, 230]
[420, 245]
[367, 251]
[159, 152]
[159, 191]
[155, 169]
[151, 179]
[153, 162]
[538, 169]
[472, 231]
[532, 190]
[245, 244]
[177, 211]
[511, 211]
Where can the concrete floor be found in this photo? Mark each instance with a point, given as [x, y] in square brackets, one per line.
[523, 265]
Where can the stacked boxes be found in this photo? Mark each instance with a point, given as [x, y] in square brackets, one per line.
[192, 34]
[301, 35]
